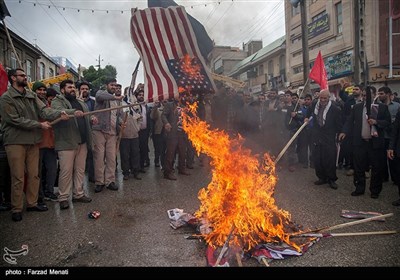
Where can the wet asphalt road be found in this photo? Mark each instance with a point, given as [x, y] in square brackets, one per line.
[133, 229]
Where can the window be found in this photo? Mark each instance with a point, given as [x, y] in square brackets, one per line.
[29, 70]
[13, 61]
[339, 18]
[42, 71]
[51, 72]
[271, 68]
[282, 63]
[261, 69]
[320, 15]
[298, 69]
[296, 10]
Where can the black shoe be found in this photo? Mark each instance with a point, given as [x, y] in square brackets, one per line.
[112, 186]
[396, 203]
[320, 182]
[374, 195]
[16, 217]
[142, 170]
[64, 205]
[51, 197]
[38, 208]
[333, 185]
[170, 176]
[356, 193]
[83, 199]
[98, 188]
[136, 176]
[5, 206]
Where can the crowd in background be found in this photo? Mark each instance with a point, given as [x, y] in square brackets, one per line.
[51, 139]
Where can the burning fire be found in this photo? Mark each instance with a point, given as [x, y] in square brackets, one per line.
[239, 198]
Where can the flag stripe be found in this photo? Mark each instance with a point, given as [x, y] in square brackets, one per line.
[181, 42]
[139, 47]
[145, 34]
[189, 35]
[159, 39]
[150, 29]
[171, 51]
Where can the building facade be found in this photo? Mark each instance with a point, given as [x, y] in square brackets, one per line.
[345, 31]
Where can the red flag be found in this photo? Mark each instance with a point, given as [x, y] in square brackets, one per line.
[3, 80]
[163, 36]
[318, 72]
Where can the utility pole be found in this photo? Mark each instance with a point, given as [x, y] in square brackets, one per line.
[99, 60]
[304, 42]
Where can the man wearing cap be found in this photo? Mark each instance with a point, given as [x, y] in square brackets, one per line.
[20, 111]
[47, 154]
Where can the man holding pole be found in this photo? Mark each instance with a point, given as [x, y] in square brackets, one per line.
[105, 135]
[327, 123]
[72, 141]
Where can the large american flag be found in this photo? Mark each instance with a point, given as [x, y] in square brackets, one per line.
[163, 36]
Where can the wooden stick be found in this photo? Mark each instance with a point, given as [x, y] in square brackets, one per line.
[298, 100]
[225, 247]
[265, 262]
[345, 224]
[11, 44]
[121, 131]
[347, 234]
[98, 111]
[292, 139]
[239, 260]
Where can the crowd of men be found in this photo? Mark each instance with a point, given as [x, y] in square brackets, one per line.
[44, 129]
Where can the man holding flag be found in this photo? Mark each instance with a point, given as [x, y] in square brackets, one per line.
[327, 123]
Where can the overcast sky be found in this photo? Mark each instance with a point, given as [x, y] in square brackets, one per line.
[83, 36]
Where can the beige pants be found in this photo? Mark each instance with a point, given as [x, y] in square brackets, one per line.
[72, 172]
[23, 158]
[104, 155]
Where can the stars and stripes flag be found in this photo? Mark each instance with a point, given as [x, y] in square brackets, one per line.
[164, 37]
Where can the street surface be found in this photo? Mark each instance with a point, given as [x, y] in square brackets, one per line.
[133, 229]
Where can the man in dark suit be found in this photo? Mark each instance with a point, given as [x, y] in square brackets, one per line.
[326, 124]
[393, 153]
[368, 144]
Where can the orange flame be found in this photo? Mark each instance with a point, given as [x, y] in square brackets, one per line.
[240, 194]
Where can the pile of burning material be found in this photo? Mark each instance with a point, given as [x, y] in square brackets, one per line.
[238, 209]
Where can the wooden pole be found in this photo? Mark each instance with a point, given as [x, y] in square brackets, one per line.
[298, 100]
[291, 140]
[11, 43]
[225, 247]
[344, 224]
[265, 262]
[121, 131]
[343, 234]
[239, 260]
[98, 111]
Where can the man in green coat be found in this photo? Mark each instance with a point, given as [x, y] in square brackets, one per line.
[20, 111]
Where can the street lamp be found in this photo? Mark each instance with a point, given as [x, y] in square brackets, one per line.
[304, 40]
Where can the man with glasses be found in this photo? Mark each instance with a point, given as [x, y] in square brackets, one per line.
[20, 111]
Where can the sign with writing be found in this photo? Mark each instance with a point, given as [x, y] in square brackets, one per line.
[382, 75]
[339, 65]
[318, 26]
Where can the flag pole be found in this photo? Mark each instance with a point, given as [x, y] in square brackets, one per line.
[98, 111]
[298, 100]
[292, 139]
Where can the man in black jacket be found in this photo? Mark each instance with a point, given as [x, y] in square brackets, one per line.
[368, 147]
